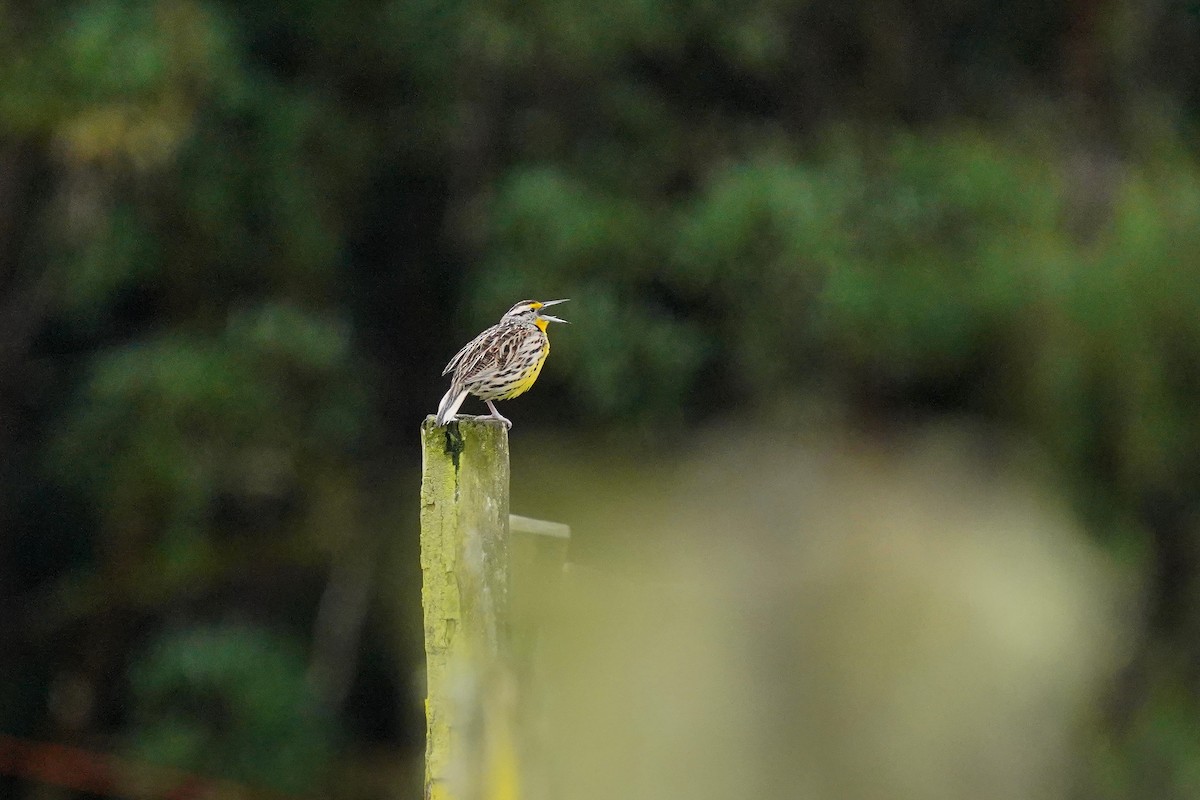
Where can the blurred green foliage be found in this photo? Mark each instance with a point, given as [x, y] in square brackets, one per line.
[901, 260]
[231, 701]
[166, 427]
[238, 240]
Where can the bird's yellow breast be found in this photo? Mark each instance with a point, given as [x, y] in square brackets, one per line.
[526, 381]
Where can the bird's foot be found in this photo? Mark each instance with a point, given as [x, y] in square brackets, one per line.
[497, 415]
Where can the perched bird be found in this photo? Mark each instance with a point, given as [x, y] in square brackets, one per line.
[502, 362]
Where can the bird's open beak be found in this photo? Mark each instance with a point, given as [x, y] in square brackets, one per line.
[548, 316]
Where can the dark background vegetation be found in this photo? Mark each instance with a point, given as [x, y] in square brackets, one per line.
[238, 241]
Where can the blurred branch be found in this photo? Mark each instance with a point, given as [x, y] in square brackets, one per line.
[475, 137]
[23, 299]
[103, 774]
[340, 619]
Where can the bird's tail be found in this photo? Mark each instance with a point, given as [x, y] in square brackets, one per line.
[450, 404]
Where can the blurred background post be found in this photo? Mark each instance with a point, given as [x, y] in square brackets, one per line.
[875, 427]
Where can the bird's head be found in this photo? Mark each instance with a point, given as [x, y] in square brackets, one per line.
[531, 311]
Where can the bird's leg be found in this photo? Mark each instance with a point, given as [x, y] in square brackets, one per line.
[497, 415]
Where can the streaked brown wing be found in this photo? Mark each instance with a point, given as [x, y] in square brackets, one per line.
[471, 352]
[458, 356]
[496, 357]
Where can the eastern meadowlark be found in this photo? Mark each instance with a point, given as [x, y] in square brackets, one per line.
[502, 362]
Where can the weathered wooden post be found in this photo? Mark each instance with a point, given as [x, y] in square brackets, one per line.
[470, 750]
